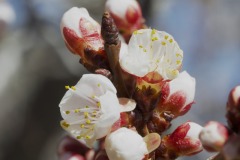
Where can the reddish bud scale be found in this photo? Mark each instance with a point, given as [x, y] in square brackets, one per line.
[74, 43]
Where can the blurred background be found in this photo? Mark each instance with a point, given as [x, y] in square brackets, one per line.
[35, 65]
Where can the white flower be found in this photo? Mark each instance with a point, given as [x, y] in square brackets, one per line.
[80, 30]
[213, 136]
[90, 108]
[125, 144]
[150, 50]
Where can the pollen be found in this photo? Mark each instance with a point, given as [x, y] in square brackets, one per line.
[88, 121]
[67, 87]
[154, 39]
[135, 32]
[82, 125]
[178, 55]
[178, 62]
[98, 104]
[87, 137]
[64, 124]
[98, 84]
[174, 72]
[170, 40]
[67, 112]
[93, 96]
[163, 43]
[73, 88]
[76, 110]
[86, 106]
[153, 31]
[94, 113]
[166, 37]
[86, 114]
[140, 46]
[144, 50]
[79, 137]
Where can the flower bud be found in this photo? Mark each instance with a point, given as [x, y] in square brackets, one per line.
[125, 144]
[233, 109]
[82, 36]
[178, 95]
[213, 136]
[127, 15]
[184, 140]
[79, 30]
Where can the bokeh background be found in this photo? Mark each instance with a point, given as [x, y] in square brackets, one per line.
[35, 65]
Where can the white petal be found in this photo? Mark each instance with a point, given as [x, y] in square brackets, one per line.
[127, 104]
[125, 144]
[95, 85]
[110, 114]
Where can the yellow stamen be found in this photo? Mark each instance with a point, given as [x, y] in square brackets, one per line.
[163, 43]
[76, 110]
[154, 39]
[144, 50]
[174, 72]
[86, 114]
[64, 124]
[99, 85]
[135, 32]
[170, 40]
[178, 62]
[79, 137]
[140, 46]
[178, 55]
[73, 88]
[87, 137]
[82, 125]
[67, 112]
[67, 87]
[166, 37]
[86, 106]
[88, 121]
[98, 104]
[153, 31]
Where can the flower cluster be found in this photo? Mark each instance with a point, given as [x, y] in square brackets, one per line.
[136, 89]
